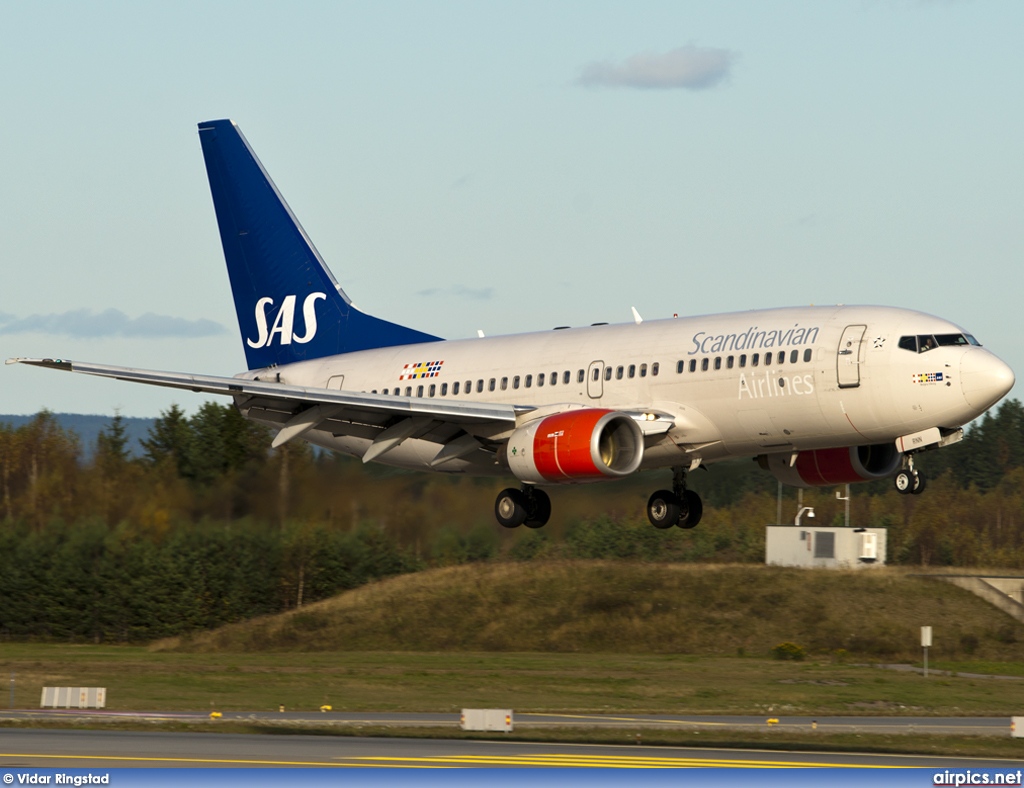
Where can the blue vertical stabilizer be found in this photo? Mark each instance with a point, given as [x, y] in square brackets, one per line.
[289, 305]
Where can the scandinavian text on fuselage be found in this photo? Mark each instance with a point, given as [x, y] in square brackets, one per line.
[753, 339]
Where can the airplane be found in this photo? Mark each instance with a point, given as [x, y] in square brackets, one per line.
[819, 395]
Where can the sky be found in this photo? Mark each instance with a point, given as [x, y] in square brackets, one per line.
[504, 166]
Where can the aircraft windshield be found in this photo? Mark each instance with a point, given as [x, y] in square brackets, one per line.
[925, 342]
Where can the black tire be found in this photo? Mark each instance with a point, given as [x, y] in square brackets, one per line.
[510, 508]
[663, 509]
[692, 511]
[539, 505]
[904, 482]
[918, 486]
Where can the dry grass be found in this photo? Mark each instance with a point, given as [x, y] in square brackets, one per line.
[627, 608]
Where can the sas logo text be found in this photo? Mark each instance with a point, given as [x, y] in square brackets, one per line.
[284, 323]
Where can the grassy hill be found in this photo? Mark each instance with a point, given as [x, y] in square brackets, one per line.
[622, 607]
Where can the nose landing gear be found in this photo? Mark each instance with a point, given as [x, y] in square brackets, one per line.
[909, 481]
[680, 507]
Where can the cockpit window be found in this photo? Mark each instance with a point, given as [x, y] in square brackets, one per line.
[925, 342]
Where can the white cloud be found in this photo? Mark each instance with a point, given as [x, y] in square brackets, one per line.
[111, 323]
[689, 67]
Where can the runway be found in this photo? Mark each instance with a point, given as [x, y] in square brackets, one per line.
[107, 749]
[959, 726]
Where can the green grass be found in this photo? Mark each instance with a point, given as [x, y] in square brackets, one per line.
[639, 608]
[137, 679]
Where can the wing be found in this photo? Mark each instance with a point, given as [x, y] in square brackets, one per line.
[460, 428]
[295, 410]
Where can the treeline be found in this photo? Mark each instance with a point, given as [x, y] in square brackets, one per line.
[210, 525]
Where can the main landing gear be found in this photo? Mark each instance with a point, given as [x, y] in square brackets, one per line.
[909, 481]
[680, 507]
[531, 506]
[527, 506]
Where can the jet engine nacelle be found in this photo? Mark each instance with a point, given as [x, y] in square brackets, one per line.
[826, 467]
[580, 445]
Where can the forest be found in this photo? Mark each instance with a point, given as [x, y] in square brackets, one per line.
[209, 525]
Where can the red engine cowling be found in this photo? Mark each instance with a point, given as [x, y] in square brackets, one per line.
[581, 445]
[826, 467]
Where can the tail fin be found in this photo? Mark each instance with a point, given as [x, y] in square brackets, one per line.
[275, 270]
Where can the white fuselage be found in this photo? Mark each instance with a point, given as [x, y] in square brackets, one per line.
[734, 385]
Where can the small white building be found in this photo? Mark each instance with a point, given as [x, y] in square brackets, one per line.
[831, 547]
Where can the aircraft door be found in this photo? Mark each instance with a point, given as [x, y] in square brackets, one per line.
[595, 383]
[851, 352]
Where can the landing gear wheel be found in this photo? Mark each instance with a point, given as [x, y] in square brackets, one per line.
[692, 510]
[918, 486]
[663, 509]
[539, 506]
[904, 481]
[511, 508]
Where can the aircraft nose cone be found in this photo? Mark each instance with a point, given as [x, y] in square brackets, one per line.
[984, 379]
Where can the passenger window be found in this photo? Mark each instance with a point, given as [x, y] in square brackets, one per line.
[597, 373]
[540, 379]
[504, 384]
[693, 365]
[469, 386]
[807, 354]
[767, 359]
[754, 358]
[729, 362]
[515, 381]
[632, 370]
[680, 366]
[455, 388]
[794, 356]
[529, 381]
[643, 370]
[408, 391]
[444, 389]
[703, 365]
[654, 369]
[718, 362]
[374, 391]
[618, 373]
[566, 378]
[607, 373]
[490, 385]
[419, 391]
[743, 360]
[432, 390]
[385, 391]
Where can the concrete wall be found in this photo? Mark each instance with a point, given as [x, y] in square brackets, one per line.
[830, 547]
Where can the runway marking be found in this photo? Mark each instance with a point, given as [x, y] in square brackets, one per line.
[441, 761]
[154, 759]
[607, 761]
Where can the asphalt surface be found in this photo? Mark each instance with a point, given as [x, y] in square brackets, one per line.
[20, 747]
[990, 726]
